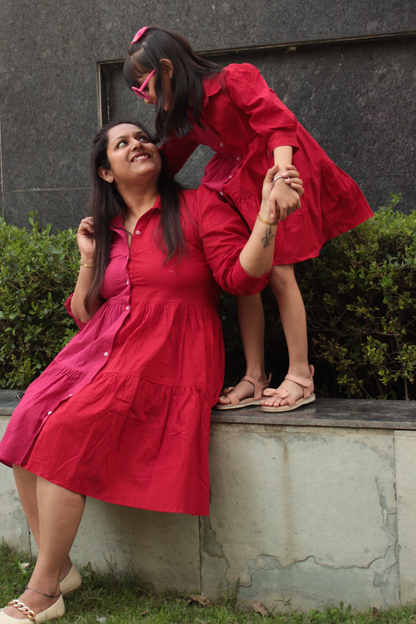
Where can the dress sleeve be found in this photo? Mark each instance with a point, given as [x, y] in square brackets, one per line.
[268, 116]
[223, 234]
[68, 309]
[177, 151]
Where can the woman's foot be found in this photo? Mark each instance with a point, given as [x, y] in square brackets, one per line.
[294, 391]
[37, 604]
[247, 392]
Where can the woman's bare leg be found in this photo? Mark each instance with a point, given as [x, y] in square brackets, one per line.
[293, 316]
[251, 319]
[26, 487]
[59, 514]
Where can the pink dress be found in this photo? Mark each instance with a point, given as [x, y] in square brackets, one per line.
[244, 122]
[123, 412]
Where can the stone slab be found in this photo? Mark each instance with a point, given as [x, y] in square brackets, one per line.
[47, 134]
[13, 526]
[46, 34]
[63, 208]
[305, 516]
[244, 23]
[162, 548]
[356, 413]
[405, 444]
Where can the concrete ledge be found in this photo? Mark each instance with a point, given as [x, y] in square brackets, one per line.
[303, 508]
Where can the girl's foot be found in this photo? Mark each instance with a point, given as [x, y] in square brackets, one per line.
[294, 391]
[247, 392]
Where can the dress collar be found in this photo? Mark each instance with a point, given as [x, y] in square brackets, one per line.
[212, 85]
[117, 222]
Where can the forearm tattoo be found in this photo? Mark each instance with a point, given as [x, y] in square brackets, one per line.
[269, 237]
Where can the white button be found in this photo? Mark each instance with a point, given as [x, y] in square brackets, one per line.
[230, 177]
[238, 157]
[221, 144]
[221, 193]
[106, 353]
[137, 231]
[127, 282]
[49, 413]
[127, 257]
[127, 307]
[70, 395]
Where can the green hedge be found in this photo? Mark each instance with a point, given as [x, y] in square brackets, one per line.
[360, 297]
[37, 273]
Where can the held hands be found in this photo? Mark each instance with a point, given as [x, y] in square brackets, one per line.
[86, 240]
[284, 194]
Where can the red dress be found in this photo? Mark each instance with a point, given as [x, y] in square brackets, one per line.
[244, 122]
[123, 412]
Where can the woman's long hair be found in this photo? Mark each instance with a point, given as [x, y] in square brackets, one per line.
[189, 71]
[105, 203]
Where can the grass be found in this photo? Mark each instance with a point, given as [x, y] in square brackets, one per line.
[111, 598]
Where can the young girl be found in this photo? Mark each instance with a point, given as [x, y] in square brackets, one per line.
[235, 113]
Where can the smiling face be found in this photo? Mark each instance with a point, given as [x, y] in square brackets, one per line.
[133, 158]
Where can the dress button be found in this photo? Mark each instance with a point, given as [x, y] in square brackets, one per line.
[70, 395]
[230, 176]
[127, 282]
[127, 307]
[221, 144]
[137, 232]
[49, 413]
[106, 353]
[238, 158]
[221, 193]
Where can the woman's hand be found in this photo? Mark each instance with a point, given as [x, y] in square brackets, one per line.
[86, 240]
[285, 193]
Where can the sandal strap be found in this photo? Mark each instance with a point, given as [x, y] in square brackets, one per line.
[306, 384]
[259, 386]
[20, 606]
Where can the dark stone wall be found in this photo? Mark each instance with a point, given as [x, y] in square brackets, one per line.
[347, 70]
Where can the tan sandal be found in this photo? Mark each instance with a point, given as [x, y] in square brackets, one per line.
[236, 403]
[57, 610]
[308, 394]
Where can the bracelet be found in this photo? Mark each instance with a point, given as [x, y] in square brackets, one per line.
[88, 266]
[277, 178]
[267, 222]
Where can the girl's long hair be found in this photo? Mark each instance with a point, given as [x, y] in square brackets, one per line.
[189, 71]
[105, 203]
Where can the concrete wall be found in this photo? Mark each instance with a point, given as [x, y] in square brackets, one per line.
[303, 516]
[351, 82]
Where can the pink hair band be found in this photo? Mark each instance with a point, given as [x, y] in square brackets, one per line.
[139, 34]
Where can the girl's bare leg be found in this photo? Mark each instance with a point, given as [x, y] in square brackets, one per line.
[59, 515]
[292, 313]
[26, 487]
[251, 319]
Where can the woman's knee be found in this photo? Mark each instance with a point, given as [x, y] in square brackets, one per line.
[281, 277]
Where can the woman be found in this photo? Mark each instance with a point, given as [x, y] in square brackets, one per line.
[123, 412]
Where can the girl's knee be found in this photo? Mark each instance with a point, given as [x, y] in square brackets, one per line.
[282, 276]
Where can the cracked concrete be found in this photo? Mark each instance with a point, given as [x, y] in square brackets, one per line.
[13, 526]
[304, 517]
[307, 514]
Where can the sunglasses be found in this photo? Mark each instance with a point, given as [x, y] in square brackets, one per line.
[140, 91]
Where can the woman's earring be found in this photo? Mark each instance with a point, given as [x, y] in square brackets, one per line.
[110, 180]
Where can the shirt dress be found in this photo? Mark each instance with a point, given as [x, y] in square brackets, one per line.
[243, 122]
[122, 413]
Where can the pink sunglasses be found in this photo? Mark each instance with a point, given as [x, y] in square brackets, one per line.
[140, 91]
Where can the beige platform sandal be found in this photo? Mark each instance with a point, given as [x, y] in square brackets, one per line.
[236, 403]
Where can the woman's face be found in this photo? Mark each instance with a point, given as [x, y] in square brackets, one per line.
[132, 156]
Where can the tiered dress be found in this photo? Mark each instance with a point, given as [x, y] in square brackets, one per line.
[123, 412]
[244, 121]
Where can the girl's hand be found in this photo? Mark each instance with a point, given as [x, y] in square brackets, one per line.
[291, 178]
[86, 240]
[284, 199]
